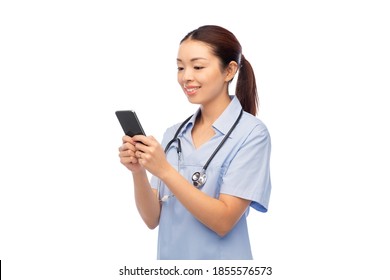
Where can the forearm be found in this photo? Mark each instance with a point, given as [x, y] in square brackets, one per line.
[214, 213]
[220, 215]
[146, 199]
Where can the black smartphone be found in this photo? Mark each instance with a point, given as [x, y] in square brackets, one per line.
[129, 122]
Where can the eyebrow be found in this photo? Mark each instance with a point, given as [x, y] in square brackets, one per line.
[192, 59]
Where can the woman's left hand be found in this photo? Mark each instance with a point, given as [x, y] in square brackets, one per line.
[151, 155]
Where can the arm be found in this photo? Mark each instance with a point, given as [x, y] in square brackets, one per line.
[146, 200]
[220, 215]
[145, 197]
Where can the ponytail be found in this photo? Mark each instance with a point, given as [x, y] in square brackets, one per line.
[246, 90]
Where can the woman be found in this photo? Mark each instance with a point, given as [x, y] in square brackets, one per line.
[216, 163]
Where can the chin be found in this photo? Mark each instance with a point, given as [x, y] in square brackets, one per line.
[193, 99]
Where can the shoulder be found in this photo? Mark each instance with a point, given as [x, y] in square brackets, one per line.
[180, 127]
[253, 126]
[171, 131]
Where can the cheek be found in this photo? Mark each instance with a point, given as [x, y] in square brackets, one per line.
[179, 78]
[214, 78]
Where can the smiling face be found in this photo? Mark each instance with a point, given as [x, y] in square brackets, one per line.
[200, 73]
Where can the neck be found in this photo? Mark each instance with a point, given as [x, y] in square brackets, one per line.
[211, 111]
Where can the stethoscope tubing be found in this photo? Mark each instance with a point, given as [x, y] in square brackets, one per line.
[201, 174]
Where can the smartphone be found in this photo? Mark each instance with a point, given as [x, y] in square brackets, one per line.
[129, 122]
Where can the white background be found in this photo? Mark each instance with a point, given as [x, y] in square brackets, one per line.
[66, 204]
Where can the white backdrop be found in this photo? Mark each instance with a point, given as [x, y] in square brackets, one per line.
[66, 204]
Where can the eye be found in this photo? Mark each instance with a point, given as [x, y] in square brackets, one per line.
[180, 68]
[198, 67]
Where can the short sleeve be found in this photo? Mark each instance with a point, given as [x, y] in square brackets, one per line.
[248, 174]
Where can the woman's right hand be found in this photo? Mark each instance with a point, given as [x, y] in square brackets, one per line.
[127, 155]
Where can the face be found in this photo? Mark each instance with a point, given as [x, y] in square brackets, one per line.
[200, 74]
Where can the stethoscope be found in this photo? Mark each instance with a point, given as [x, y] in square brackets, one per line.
[199, 177]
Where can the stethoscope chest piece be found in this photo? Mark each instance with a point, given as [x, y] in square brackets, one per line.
[199, 179]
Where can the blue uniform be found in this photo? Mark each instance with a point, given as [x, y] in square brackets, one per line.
[240, 168]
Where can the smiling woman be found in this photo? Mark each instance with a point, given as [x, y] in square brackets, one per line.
[202, 77]
[216, 163]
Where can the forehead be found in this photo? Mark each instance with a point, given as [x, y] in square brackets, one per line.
[190, 49]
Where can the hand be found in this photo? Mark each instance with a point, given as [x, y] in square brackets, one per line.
[127, 154]
[151, 155]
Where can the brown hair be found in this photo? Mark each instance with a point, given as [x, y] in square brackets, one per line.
[226, 46]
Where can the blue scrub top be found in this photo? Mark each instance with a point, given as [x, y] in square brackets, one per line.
[241, 168]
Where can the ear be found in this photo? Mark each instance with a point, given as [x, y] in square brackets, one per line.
[231, 71]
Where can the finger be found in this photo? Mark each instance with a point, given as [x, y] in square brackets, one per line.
[122, 148]
[127, 146]
[147, 144]
[127, 153]
[141, 148]
[139, 154]
[141, 139]
[128, 160]
[126, 138]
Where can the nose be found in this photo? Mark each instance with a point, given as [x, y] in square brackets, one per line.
[187, 75]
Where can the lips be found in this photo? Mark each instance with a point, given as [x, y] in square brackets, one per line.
[190, 90]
